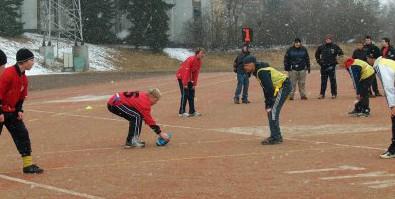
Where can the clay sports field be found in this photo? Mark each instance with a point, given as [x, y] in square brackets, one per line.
[325, 154]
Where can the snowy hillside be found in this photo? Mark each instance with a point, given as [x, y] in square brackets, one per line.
[100, 57]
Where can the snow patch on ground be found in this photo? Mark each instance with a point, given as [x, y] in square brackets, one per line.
[180, 54]
[100, 57]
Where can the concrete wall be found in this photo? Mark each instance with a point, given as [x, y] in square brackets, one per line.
[29, 14]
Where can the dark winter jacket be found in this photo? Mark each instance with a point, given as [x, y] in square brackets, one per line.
[359, 54]
[372, 49]
[389, 54]
[296, 59]
[238, 63]
[326, 55]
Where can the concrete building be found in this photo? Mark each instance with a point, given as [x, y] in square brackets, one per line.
[30, 15]
[182, 12]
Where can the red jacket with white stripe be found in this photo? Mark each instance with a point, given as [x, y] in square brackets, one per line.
[189, 70]
[137, 100]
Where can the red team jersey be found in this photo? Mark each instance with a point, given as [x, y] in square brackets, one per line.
[13, 88]
[189, 70]
[137, 100]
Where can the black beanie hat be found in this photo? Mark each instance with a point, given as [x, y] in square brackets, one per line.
[23, 55]
[297, 40]
[3, 58]
[249, 59]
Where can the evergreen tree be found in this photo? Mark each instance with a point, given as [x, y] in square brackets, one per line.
[149, 22]
[98, 20]
[10, 17]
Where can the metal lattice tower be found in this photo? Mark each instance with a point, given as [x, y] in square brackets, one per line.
[61, 17]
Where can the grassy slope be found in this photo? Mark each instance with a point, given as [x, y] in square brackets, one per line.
[143, 61]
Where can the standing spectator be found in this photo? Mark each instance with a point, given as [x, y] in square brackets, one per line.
[13, 91]
[373, 50]
[276, 88]
[386, 72]
[326, 57]
[3, 61]
[360, 53]
[297, 62]
[187, 76]
[370, 48]
[242, 77]
[387, 50]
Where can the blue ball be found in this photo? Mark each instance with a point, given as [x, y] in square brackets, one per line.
[162, 142]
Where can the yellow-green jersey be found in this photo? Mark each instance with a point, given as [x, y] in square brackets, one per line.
[359, 70]
[271, 81]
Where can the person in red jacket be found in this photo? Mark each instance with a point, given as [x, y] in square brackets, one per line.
[13, 91]
[187, 76]
[135, 107]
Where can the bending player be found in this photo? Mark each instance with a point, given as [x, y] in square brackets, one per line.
[385, 69]
[135, 107]
[276, 87]
[362, 76]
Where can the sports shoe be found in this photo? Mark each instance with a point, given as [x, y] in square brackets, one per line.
[387, 155]
[353, 112]
[246, 101]
[378, 95]
[303, 98]
[32, 169]
[183, 115]
[367, 114]
[291, 98]
[321, 97]
[236, 101]
[134, 144]
[272, 141]
[334, 96]
[195, 114]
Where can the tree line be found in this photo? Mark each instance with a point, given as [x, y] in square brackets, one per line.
[278, 22]
[275, 22]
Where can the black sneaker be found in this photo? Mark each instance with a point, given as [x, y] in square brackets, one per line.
[387, 155]
[236, 101]
[134, 144]
[353, 112]
[378, 95]
[33, 169]
[272, 141]
[366, 114]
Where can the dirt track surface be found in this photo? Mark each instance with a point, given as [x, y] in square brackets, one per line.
[325, 154]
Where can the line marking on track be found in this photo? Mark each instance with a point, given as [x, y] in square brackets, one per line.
[91, 98]
[340, 168]
[380, 184]
[361, 175]
[190, 158]
[48, 187]
[209, 129]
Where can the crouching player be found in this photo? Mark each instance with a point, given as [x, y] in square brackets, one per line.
[135, 107]
[362, 75]
[276, 88]
[385, 69]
